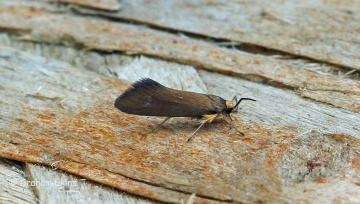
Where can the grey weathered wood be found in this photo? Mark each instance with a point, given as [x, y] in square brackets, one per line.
[14, 186]
[54, 186]
[325, 31]
[130, 68]
[274, 106]
[312, 167]
[282, 107]
[99, 34]
[50, 186]
[111, 5]
[177, 76]
[174, 75]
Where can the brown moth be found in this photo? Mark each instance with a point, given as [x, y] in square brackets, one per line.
[149, 98]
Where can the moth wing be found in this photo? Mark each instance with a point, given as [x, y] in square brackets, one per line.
[148, 97]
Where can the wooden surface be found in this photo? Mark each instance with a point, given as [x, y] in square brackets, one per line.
[108, 36]
[111, 5]
[301, 135]
[321, 30]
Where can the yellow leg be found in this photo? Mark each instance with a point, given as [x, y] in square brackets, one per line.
[205, 119]
[158, 125]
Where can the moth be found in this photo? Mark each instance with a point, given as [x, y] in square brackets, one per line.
[149, 98]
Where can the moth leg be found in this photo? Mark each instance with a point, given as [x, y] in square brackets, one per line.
[205, 119]
[164, 121]
[229, 120]
[202, 124]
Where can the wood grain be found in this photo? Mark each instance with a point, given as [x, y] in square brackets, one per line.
[76, 135]
[110, 5]
[322, 30]
[107, 36]
[301, 140]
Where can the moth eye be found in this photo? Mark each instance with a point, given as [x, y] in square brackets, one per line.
[228, 110]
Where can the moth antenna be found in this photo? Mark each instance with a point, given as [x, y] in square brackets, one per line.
[250, 99]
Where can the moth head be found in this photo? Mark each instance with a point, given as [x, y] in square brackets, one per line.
[230, 105]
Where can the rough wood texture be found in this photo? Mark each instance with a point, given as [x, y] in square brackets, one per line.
[294, 149]
[13, 184]
[323, 30]
[286, 107]
[219, 164]
[54, 186]
[52, 147]
[107, 36]
[111, 5]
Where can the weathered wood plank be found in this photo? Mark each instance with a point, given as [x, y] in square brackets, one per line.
[54, 186]
[294, 108]
[107, 36]
[111, 5]
[219, 164]
[54, 147]
[321, 30]
[294, 150]
[14, 186]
